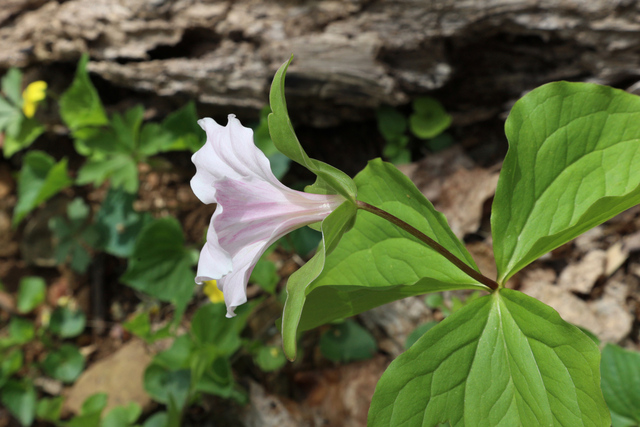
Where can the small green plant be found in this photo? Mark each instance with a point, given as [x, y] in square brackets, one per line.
[346, 342]
[17, 110]
[427, 123]
[198, 362]
[63, 360]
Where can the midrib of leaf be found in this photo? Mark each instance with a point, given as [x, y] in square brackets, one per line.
[510, 359]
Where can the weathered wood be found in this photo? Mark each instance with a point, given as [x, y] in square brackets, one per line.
[350, 55]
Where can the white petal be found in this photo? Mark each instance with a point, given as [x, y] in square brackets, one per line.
[234, 154]
[214, 262]
[234, 285]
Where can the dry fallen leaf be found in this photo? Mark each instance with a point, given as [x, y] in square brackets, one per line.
[119, 375]
[455, 186]
[582, 275]
[608, 318]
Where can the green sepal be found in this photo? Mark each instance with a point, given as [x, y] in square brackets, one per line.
[330, 180]
[377, 262]
[333, 227]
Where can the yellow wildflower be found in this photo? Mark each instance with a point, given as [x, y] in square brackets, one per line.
[33, 94]
[211, 290]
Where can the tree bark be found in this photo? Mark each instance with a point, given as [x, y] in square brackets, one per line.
[350, 55]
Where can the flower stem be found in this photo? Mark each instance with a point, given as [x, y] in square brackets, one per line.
[429, 242]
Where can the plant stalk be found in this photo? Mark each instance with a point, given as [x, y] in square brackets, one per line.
[429, 242]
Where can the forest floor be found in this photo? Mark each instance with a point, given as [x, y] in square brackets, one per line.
[593, 282]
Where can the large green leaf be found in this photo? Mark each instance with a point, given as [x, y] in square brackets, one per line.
[333, 228]
[621, 384]
[573, 163]
[330, 179]
[40, 179]
[161, 264]
[377, 262]
[506, 359]
[19, 397]
[80, 105]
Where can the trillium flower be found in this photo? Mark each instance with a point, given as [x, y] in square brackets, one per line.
[253, 210]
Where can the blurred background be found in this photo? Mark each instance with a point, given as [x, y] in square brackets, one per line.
[98, 107]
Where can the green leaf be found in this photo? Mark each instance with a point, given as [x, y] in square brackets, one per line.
[140, 326]
[11, 117]
[265, 275]
[217, 379]
[285, 140]
[417, 333]
[94, 404]
[127, 128]
[67, 323]
[31, 293]
[91, 411]
[159, 419]
[154, 139]
[178, 355]
[29, 130]
[11, 363]
[75, 236]
[270, 358]
[11, 85]
[49, 409]
[161, 264]
[183, 126]
[80, 105]
[21, 331]
[121, 168]
[19, 397]
[392, 124]
[161, 383]
[404, 265]
[120, 223]
[573, 163]
[440, 142]
[505, 359]
[302, 241]
[429, 119]
[209, 326]
[64, 364]
[621, 383]
[40, 179]
[333, 227]
[347, 342]
[278, 161]
[122, 416]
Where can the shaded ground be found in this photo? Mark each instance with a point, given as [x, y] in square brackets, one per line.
[593, 281]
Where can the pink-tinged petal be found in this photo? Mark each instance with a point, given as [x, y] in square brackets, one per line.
[253, 210]
[214, 262]
[234, 284]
